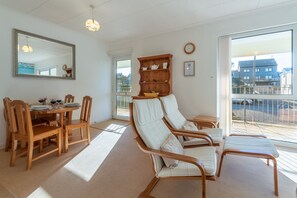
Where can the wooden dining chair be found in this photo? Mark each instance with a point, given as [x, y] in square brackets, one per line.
[68, 99]
[6, 102]
[35, 122]
[82, 123]
[23, 131]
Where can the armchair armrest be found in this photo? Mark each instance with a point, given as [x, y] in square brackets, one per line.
[196, 134]
[175, 156]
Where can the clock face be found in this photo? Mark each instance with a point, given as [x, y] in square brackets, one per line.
[189, 48]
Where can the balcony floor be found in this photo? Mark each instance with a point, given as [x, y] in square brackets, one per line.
[276, 132]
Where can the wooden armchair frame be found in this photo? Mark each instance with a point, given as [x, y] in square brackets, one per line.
[196, 134]
[179, 157]
[200, 132]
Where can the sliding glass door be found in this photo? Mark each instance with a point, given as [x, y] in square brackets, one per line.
[122, 88]
[263, 87]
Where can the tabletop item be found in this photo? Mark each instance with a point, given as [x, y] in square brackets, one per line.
[40, 107]
[53, 101]
[42, 100]
[72, 104]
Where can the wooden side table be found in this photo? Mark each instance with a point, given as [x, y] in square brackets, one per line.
[206, 121]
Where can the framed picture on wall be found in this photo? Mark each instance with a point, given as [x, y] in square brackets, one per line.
[189, 68]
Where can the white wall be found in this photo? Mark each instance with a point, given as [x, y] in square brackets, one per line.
[198, 95]
[93, 70]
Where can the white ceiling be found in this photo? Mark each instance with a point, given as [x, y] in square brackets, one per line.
[130, 19]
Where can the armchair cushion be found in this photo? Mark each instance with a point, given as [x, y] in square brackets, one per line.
[147, 115]
[189, 126]
[206, 155]
[172, 114]
[172, 145]
[215, 133]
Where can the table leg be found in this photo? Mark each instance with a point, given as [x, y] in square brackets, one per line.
[62, 131]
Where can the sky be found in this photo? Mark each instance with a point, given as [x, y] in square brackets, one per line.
[283, 60]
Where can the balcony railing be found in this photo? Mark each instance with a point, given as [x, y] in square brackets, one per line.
[273, 111]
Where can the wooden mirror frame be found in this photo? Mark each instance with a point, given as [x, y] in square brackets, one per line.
[71, 70]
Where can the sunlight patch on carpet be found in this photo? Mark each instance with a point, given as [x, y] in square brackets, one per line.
[40, 192]
[286, 164]
[87, 162]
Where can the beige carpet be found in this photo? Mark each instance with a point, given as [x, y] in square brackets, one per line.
[113, 166]
[4, 193]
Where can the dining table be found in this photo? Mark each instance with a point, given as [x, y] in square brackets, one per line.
[54, 109]
[59, 110]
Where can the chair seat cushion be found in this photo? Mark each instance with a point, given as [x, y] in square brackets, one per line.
[172, 145]
[206, 155]
[250, 144]
[215, 133]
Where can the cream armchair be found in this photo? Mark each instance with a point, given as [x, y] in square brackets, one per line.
[177, 121]
[155, 138]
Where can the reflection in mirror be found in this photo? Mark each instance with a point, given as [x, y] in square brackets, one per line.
[43, 57]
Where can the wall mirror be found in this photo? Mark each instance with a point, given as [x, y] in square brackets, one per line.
[40, 56]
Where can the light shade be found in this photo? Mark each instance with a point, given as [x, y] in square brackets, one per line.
[92, 25]
[27, 48]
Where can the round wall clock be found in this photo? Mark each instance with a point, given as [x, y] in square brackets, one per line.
[189, 48]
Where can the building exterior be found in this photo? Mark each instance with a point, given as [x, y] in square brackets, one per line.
[259, 76]
[286, 81]
[265, 72]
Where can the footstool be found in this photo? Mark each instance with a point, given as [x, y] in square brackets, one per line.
[252, 146]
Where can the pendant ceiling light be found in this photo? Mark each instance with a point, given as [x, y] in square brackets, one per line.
[27, 48]
[92, 24]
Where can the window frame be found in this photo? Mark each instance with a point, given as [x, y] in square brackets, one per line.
[293, 29]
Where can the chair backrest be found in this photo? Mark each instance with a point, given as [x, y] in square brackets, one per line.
[147, 115]
[172, 114]
[21, 119]
[69, 98]
[86, 109]
[6, 102]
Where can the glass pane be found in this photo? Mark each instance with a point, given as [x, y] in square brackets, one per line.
[262, 64]
[124, 76]
[123, 87]
[123, 105]
[53, 71]
[44, 73]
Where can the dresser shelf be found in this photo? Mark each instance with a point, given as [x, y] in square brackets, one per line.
[155, 80]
